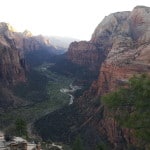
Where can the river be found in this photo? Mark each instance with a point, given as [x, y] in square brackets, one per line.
[72, 89]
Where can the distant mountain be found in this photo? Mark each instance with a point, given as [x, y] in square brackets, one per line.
[61, 42]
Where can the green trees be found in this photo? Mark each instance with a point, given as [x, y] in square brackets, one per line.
[102, 146]
[21, 127]
[131, 106]
[77, 145]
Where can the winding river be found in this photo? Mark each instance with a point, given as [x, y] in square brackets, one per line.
[72, 88]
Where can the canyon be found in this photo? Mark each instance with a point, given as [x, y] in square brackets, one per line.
[19, 53]
[124, 41]
[119, 49]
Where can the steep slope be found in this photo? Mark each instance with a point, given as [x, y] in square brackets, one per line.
[119, 48]
[129, 53]
[17, 54]
[120, 43]
[13, 48]
[124, 41]
[128, 56]
[12, 66]
[86, 54]
[12, 63]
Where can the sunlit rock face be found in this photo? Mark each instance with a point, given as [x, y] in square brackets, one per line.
[128, 56]
[93, 52]
[12, 63]
[27, 33]
[31, 43]
[86, 54]
[13, 46]
[130, 51]
[122, 42]
[4, 27]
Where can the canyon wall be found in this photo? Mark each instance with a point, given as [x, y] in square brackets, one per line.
[12, 63]
[119, 48]
[86, 54]
[13, 48]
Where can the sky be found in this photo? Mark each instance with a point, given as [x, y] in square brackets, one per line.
[66, 18]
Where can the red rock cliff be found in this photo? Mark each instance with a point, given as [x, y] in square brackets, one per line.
[130, 51]
[129, 55]
[86, 54]
[13, 46]
[122, 43]
[12, 63]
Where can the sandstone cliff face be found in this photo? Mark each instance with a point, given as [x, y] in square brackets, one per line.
[86, 54]
[12, 63]
[129, 55]
[122, 42]
[130, 51]
[13, 47]
[31, 43]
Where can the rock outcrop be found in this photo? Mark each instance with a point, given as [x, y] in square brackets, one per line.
[12, 63]
[129, 55]
[130, 51]
[31, 43]
[86, 54]
[121, 44]
[14, 48]
[119, 48]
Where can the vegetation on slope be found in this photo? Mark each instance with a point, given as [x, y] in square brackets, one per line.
[131, 106]
[41, 94]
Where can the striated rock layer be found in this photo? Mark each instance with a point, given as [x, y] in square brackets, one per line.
[119, 48]
[86, 54]
[13, 47]
[12, 63]
[14, 50]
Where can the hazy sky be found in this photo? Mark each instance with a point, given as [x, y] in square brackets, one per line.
[71, 18]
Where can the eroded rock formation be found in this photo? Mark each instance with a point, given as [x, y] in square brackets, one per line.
[119, 48]
[14, 47]
[12, 63]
